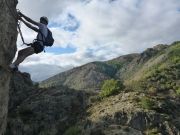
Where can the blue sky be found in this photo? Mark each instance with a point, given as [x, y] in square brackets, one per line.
[91, 30]
[58, 50]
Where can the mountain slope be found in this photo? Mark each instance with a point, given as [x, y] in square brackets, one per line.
[87, 77]
[149, 104]
[160, 73]
[132, 63]
[92, 75]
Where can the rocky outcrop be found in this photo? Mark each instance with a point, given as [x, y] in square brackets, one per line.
[8, 37]
[21, 87]
[35, 111]
[122, 114]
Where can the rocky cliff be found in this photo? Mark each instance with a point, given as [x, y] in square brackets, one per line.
[8, 37]
[36, 111]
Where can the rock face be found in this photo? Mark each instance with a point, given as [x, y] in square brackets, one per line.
[8, 37]
[35, 111]
[122, 115]
[21, 87]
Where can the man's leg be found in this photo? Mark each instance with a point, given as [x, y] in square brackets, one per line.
[22, 54]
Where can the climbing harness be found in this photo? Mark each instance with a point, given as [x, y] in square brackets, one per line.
[19, 22]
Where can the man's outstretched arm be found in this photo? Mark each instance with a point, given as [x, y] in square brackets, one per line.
[28, 19]
[29, 25]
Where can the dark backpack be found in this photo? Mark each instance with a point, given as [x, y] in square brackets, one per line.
[49, 40]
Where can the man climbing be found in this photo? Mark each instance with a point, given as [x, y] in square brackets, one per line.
[38, 45]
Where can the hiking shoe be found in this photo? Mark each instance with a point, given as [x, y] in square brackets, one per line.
[13, 67]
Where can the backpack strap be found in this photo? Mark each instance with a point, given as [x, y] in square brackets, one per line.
[43, 37]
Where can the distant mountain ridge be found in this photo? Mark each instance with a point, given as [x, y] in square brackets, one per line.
[91, 75]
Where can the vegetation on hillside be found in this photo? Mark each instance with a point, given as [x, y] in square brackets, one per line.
[156, 70]
[105, 68]
[147, 103]
[162, 77]
[116, 65]
[73, 131]
[111, 87]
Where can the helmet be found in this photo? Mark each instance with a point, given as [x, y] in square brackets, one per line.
[45, 19]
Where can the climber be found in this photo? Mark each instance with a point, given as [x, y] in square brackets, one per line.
[39, 44]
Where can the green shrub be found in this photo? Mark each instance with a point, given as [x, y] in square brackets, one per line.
[147, 103]
[178, 91]
[153, 131]
[136, 86]
[174, 54]
[111, 87]
[73, 131]
[116, 65]
[152, 91]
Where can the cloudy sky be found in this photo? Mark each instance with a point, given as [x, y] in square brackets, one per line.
[97, 30]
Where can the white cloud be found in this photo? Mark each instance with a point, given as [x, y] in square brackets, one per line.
[107, 29]
[42, 70]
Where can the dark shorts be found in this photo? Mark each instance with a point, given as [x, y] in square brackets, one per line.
[37, 47]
